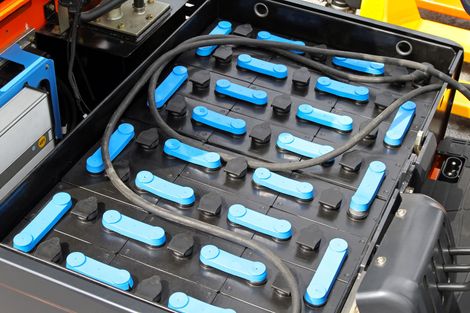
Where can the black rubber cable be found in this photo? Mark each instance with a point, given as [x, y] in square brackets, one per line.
[341, 74]
[100, 10]
[67, 100]
[70, 75]
[225, 156]
[354, 140]
[208, 228]
[193, 223]
[72, 44]
[426, 68]
[182, 220]
[201, 41]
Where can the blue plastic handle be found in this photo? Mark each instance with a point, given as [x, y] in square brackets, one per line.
[368, 67]
[370, 185]
[222, 28]
[327, 272]
[164, 189]
[400, 125]
[264, 35]
[30, 236]
[340, 122]
[255, 96]
[280, 229]
[181, 302]
[119, 140]
[134, 229]
[289, 142]
[328, 85]
[302, 190]
[254, 272]
[118, 278]
[211, 118]
[193, 155]
[248, 62]
[170, 85]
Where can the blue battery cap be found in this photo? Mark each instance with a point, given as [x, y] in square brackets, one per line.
[401, 124]
[289, 142]
[264, 35]
[340, 122]
[327, 272]
[240, 215]
[356, 93]
[365, 194]
[30, 236]
[211, 118]
[302, 190]
[134, 229]
[368, 67]
[182, 151]
[248, 62]
[222, 28]
[164, 189]
[181, 302]
[119, 140]
[118, 278]
[170, 85]
[255, 96]
[254, 272]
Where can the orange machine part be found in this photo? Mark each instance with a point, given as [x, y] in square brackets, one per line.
[436, 167]
[19, 16]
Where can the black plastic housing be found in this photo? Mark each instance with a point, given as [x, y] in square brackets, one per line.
[407, 266]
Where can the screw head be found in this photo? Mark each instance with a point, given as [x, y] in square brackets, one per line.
[244, 58]
[112, 216]
[223, 83]
[264, 35]
[401, 213]
[262, 173]
[238, 210]
[286, 138]
[259, 94]
[362, 91]
[305, 108]
[381, 260]
[324, 81]
[200, 110]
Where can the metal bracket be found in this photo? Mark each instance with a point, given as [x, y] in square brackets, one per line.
[134, 22]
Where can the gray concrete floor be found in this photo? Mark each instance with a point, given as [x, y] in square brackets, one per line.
[460, 127]
[461, 23]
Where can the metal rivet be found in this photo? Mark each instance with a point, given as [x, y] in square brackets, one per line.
[381, 260]
[401, 213]
[149, 17]
[121, 25]
[409, 190]
[150, 1]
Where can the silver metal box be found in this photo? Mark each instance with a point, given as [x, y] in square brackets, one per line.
[26, 136]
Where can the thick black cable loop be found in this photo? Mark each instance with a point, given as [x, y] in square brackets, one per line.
[154, 71]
